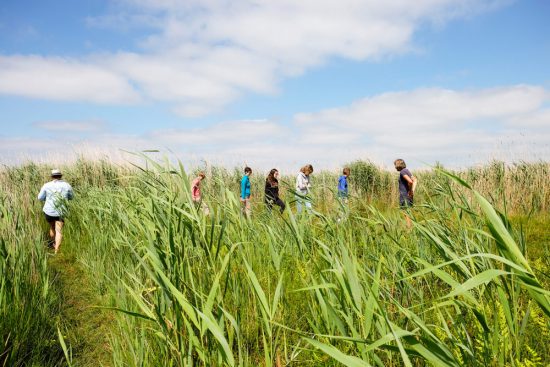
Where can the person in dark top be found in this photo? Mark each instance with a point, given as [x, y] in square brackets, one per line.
[407, 185]
[272, 191]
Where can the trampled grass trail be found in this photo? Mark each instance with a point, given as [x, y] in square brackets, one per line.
[85, 326]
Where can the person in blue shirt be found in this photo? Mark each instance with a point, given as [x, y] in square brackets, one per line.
[343, 192]
[55, 194]
[245, 191]
[343, 183]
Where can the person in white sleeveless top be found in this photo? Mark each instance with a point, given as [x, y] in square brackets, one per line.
[303, 186]
[55, 194]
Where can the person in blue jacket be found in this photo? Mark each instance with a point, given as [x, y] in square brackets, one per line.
[245, 191]
[343, 191]
[343, 184]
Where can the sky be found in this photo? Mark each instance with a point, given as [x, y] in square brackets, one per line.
[276, 83]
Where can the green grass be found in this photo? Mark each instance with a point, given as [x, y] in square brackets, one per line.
[86, 327]
[467, 285]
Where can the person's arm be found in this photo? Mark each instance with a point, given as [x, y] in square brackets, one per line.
[411, 184]
[275, 190]
[42, 194]
[70, 193]
[415, 181]
[269, 191]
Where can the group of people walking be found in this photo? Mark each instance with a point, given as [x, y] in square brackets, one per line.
[407, 185]
[56, 192]
[271, 190]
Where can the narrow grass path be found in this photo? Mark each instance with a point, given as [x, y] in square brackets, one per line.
[84, 326]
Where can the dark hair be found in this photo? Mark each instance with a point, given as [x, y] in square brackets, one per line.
[271, 176]
[247, 170]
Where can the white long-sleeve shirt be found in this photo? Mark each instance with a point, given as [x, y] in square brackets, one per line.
[54, 193]
[302, 183]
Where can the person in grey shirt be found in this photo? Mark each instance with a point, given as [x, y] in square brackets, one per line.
[55, 194]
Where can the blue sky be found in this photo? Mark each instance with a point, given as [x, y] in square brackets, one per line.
[276, 83]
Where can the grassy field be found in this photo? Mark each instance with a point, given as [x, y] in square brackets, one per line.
[144, 279]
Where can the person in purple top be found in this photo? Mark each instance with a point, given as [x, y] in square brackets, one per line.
[407, 185]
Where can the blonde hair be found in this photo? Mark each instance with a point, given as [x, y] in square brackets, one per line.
[201, 174]
[346, 171]
[307, 169]
[399, 164]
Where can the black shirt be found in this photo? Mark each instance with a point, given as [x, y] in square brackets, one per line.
[272, 189]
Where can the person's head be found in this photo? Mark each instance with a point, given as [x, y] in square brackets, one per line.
[399, 164]
[56, 174]
[201, 176]
[346, 171]
[307, 169]
[273, 175]
[247, 171]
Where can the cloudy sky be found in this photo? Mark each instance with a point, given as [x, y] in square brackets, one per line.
[276, 82]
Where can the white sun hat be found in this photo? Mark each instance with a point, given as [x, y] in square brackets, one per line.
[56, 172]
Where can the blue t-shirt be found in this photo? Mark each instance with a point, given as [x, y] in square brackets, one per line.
[343, 186]
[245, 187]
[403, 184]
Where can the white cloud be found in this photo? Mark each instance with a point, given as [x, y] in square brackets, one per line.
[425, 108]
[538, 119]
[201, 55]
[422, 126]
[71, 126]
[438, 124]
[225, 133]
[63, 79]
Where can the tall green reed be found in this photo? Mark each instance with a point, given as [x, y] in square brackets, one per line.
[185, 289]
[223, 290]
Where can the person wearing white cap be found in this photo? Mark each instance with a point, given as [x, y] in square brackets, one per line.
[55, 193]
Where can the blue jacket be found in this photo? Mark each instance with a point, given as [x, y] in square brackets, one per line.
[343, 186]
[245, 187]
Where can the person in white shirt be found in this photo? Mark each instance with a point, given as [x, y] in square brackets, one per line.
[303, 185]
[55, 194]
